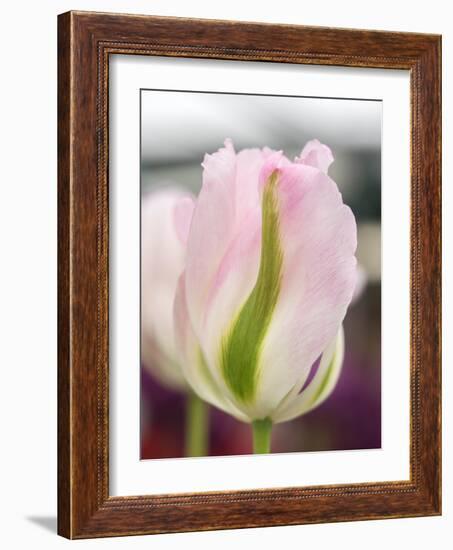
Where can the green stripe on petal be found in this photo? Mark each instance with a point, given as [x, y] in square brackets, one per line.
[241, 346]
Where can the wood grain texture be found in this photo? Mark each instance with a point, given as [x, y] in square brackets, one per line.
[64, 370]
[85, 41]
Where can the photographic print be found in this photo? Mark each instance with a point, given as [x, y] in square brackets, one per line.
[249, 250]
[260, 274]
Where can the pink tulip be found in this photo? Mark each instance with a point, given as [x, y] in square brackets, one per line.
[269, 274]
[166, 214]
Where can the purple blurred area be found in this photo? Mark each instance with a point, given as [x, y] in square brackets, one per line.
[349, 419]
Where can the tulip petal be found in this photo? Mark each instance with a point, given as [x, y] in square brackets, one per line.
[192, 360]
[242, 343]
[224, 243]
[320, 388]
[162, 261]
[316, 154]
[232, 284]
[182, 215]
[318, 239]
[213, 222]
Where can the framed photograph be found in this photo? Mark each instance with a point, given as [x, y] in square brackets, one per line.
[249, 275]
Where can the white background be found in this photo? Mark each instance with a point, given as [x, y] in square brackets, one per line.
[28, 274]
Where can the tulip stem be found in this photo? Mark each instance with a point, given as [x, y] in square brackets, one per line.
[197, 420]
[262, 435]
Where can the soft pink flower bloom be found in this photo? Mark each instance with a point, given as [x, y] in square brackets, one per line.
[166, 217]
[270, 271]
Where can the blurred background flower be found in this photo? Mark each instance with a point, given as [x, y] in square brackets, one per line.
[165, 218]
[159, 240]
[178, 128]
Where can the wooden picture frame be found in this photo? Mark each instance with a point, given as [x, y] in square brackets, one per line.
[85, 42]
